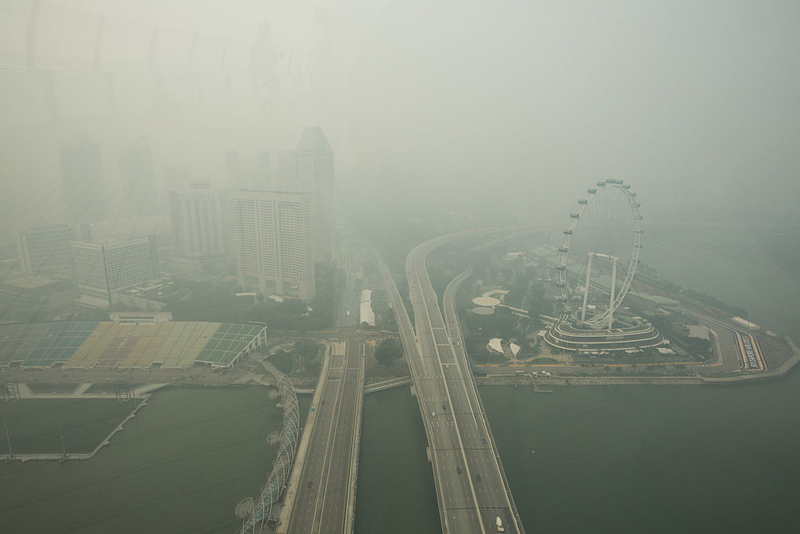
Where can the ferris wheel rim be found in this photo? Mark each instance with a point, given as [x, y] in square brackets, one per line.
[575, 218]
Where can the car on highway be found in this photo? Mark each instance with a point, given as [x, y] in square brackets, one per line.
[458, 469]
[478, 477]
[433, 414]
[444, 407]
[483, 440]
[308, 485]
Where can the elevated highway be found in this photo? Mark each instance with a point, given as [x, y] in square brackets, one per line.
[471, 487]
[325, 499]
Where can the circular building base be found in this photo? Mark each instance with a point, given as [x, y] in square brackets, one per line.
[635, 333]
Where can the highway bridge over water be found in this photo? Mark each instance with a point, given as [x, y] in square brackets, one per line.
[471, 486]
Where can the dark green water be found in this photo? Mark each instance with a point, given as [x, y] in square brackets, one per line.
[652, 459]
[180, 466]
[751, 268]
[37, 425]
[395, 493]
[608, 459]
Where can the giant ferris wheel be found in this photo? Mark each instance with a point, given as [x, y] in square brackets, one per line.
[604, 235]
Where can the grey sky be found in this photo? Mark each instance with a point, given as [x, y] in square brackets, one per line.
[520, 103]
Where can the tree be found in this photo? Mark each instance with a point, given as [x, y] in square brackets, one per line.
[538, 304]
[388, 351]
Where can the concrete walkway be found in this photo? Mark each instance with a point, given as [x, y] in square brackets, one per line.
[80, 392]
[387, 384]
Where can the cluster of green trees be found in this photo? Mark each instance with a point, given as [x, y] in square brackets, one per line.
[388, 351]
[303, 357]
[502, 323]
[698, 347]
[384, 315]
[538, 304]
[217, 302]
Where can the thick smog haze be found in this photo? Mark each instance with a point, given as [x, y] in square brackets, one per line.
[521, 102]
[379, 266]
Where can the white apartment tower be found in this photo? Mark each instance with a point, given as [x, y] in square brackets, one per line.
[200, 221]
[273, 243]
[102, 268]
[314, 171]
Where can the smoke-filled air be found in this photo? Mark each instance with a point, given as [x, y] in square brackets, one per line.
[358, 267]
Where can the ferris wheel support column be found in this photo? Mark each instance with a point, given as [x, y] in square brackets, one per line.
[613, 288]
[586, 288]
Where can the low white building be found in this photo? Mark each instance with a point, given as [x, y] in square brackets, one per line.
[745, 323]
[367, 316]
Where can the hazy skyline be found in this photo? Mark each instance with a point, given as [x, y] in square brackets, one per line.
[522, 105]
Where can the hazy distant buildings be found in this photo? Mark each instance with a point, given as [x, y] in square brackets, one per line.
[314, 171]
[285, 175]
[175, 179]
[273, 242]
[262, 177]
[46, 249]
[233, 170]
[252, 171]
[103, 268]
[28, 292]
[200, 221]
[82, 180]
[138, 180]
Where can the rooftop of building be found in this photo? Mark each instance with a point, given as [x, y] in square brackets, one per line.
[111, 241]
[313, 140]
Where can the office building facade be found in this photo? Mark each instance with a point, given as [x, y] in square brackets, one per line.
[102, 268]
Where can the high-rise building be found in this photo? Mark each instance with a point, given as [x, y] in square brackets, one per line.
[273, 243]
[46, 249]
[136, 170]
[314, 171]
[82, 179]
[102, 268]
[200, 221]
